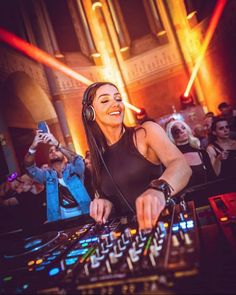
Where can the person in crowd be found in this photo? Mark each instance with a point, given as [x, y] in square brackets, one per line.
[222, 149]
[64, 178]
[88, 174]
[198, 159]
[21, 202]
[201, 133]
[227, 112]
[127, 162]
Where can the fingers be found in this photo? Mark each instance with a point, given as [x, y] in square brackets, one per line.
[148, 207]
[140, 213]
[107, 212]
[100, 210]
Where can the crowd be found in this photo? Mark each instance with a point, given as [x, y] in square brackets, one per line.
[126, 169]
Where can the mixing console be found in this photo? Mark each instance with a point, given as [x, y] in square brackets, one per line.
[224, 207]
[115, 258]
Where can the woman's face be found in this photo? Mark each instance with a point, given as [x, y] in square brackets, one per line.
[108, 106]
[179, 133]
[222, 130]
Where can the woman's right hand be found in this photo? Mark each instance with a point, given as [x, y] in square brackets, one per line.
[223, 155]
[100, 210]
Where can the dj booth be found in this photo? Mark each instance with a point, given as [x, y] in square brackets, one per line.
[191, 250]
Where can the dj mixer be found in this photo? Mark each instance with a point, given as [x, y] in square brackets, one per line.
[224, 207]
[115, 258]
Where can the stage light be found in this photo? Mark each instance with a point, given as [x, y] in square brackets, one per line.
[210, 31]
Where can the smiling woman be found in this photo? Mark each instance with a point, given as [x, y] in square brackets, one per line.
[127, 163]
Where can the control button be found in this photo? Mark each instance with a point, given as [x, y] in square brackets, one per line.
[94, 261]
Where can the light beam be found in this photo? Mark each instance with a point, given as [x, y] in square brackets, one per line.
[210, 31]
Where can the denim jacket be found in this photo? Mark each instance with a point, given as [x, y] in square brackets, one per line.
[73, 176]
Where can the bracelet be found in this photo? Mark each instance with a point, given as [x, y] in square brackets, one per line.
[31, 151]
[163, 186]
[58, 145]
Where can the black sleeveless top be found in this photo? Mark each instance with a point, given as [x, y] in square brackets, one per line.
[131, 172]
[203, 172]
[228, 165]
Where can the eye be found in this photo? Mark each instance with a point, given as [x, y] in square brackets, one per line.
[104, 101]
[118, 98]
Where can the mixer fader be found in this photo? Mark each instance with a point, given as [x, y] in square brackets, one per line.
[115, 258]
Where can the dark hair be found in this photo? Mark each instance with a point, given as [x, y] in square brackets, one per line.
[95, 138]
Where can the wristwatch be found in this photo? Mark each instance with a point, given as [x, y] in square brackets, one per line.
[163, 186]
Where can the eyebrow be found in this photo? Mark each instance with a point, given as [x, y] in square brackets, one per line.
[106, 94]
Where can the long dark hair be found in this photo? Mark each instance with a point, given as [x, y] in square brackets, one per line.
[95, 138]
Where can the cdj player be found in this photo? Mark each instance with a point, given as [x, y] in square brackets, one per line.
[115, 258]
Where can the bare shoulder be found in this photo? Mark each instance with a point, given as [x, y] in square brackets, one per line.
[152, 128]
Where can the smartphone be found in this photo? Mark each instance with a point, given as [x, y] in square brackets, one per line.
[43, 127]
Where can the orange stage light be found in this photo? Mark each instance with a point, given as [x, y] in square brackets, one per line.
[46, 59]
[210, 31]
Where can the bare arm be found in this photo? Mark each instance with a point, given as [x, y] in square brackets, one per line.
[69, 154]
[29, 159]
[177, 171]
[151, 202]
[215, 160]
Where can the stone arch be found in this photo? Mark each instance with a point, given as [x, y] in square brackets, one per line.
[25, 102]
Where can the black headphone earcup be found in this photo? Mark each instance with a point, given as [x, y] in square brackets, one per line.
[89, 113]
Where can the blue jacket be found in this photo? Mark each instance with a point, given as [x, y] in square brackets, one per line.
[73, 176]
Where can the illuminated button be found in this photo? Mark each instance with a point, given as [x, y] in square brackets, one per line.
[46, 262]
[84, 245]
[175, 227]
[40, 268]
[77, 252]
[70, 261]
[117, 234]
[183, 225]
[39, 261]
[52, 257]
[54, 271]
[7, 279]
[166, 224]
[31, 262]
[25, 286]
[56, 252]
[185, 215]
[133, 231]
[223, 219]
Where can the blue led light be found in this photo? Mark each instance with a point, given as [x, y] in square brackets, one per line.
[52, 257]
[190, 225]
[40, 268]
[175, 227]
[183, 224]
[94, 239]
[54, 271]
[77, 252]
[57, 252]
[25, 286]
[32, 243]
[70, 261]
[45, 262]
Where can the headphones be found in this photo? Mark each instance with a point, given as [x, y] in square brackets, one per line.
[88, 110]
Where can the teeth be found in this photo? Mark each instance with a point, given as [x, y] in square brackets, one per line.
[115, 113]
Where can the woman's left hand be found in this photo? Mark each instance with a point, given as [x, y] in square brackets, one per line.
[149, 206]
